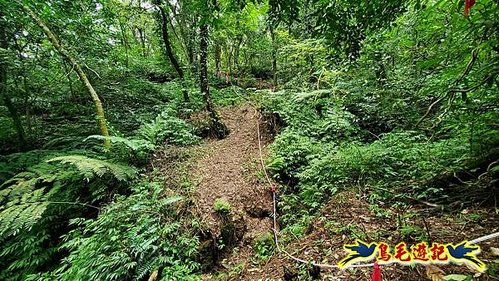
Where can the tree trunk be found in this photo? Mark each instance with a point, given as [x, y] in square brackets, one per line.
[168, 48]
[239, 41]
[142, 37]
[180, 24]
[3, 87]
[218, 54]
[21, 135]
[99, 110]
[219, 128]
[190, 52]
[274, 56]
[124, 40]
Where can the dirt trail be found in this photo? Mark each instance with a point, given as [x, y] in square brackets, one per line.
[229, 170]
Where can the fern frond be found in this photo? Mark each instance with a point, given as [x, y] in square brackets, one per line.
[20, 216]
[170, 200]
[132, 144]
[313, 94]
[23, 203]
[89, 167]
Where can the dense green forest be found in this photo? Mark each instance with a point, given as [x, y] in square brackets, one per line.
[138, 139]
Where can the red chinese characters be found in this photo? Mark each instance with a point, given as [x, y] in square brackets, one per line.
[383, 252]
[401, 252]
[438, 253]
[420, 252]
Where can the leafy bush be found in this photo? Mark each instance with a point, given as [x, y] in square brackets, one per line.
[37, 203]
[291, 153]
[414, 108]
[403, 162]
[264, 247]
[167, 127]
[131, 238]
[232, 95]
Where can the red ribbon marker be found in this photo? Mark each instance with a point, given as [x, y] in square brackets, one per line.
[467, 6]
[273, 188]
[376, 273]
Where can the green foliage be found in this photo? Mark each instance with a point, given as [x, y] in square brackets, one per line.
[264, 247]
[89, 167]
[167, 128]
[133, 150]
[413, 108]
[302, 61]
[229, 96]
[36, 202]
[393, 99]
[346, 24]
[131, 238]
[221, 206]
[292, 152]
[26, 196]
[397, 162]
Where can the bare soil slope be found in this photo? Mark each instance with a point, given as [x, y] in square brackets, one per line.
[229, 170]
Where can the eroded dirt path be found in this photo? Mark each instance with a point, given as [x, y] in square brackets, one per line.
[229, 170]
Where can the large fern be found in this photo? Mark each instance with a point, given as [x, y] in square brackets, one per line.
[131, 237]
[25, 197]
[133, 144]
[90, 167]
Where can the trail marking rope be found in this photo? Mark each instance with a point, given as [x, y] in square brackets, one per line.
[273, 190]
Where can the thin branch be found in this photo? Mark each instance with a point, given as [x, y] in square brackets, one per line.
[95, 72]
[73, 203]
[452, 91]
[430, 108]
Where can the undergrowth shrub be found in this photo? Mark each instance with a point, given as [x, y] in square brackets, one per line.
[398, 163]
[314, 114]
[291, 153]
[131, 238]
[37, 203]
[323, 148]
[169, 128]
[41, 191]
[228, 96]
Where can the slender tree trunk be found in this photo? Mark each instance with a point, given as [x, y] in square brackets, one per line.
[27, 103]
[124, 39]
[21, 135]
[274, 56]
[70, 82]
[99, 110]
[168, 48]
[181, 25]
[142, 37]
[229, 57]
[236, 52]
[219, 128]
[218, 54]
[191, 52]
